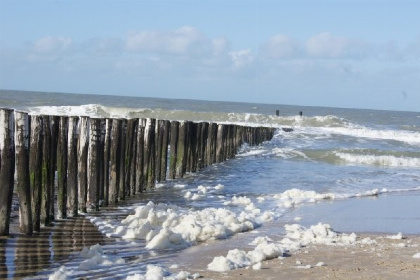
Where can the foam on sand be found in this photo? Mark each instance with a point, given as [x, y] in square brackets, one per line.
[296, 237]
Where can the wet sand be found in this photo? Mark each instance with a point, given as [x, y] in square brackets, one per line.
[39, 255]
[23, 256]
[388, 259]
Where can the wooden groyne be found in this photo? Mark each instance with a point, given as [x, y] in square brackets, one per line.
[63, 165]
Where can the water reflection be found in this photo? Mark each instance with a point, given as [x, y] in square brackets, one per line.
[23, 256]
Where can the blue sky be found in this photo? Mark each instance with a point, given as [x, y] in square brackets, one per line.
[358, 54]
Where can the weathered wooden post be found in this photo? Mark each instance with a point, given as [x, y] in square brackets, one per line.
[115, 160]
[158, 143]
[107, 155]
[164, 148]
[133, 156]
[211, 143]
[55, 125]
[140, 157]
[82, 164]
[101, 171]
[173, 149]
[220, 143]
[230, 141]
[22, 171]
[62, 168]
[204, 131]
[7, 168]
[190, 146]
[46, 199]
[93, 165]
[131, 130]
[150, 153]
[123, 163]
[72, 167]
[238, 137]
[181, 150]
[35, 168]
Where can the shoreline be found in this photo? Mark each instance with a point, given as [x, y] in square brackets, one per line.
[63, 242]
[388, 259]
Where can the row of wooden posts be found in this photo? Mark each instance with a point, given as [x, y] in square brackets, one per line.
[62, 165]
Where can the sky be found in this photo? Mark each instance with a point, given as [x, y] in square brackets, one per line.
[342, 53]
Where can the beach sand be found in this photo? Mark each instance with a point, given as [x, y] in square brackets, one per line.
[388, 259]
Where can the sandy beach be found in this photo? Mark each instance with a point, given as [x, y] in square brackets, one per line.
[388, 259]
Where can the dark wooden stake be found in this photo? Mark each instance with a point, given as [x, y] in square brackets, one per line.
[123, 163]
[7, 168]
[140, 158]
[55, 125]
[115, 161]
[73, 197]
[173, 149]
[150, 153]
[22, 172]
[62, 168]
[107, 154]
[46, 199]
[181, 150]
[82, 164]
[93, 165]
[35, 169]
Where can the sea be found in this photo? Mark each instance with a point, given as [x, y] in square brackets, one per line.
[356, 170]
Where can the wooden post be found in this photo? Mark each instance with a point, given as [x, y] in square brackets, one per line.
[123, 163]
[150, 153]
[140, 158]
[101, 161]
[133, 171]
[158, 143]
[181, 150]
[55, 125]
[93, 165]
[35, 168]
[22, 170]
[220, 143]
[211, 143]
[62, 168]
[173, 149]
[131, 129]
[46, 199]
[164, 148]
[7, 168]
[107, 154]
[115, 160]
[238, 137]
[190, 145]
[231, 141]
[73, 198]
[82, 164]
[204, 131]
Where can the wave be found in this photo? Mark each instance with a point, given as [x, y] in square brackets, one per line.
[366, 157]
[412, 138]
[381, 160]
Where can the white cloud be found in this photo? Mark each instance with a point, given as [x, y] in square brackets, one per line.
[179, 41]
[281, 46]
[103, 45]
[52, 45]
[326, 45]
[241, 58]
[220, 46]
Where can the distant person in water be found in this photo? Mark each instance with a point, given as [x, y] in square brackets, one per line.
[300, 113]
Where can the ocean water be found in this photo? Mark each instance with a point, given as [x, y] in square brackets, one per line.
[357, 170]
